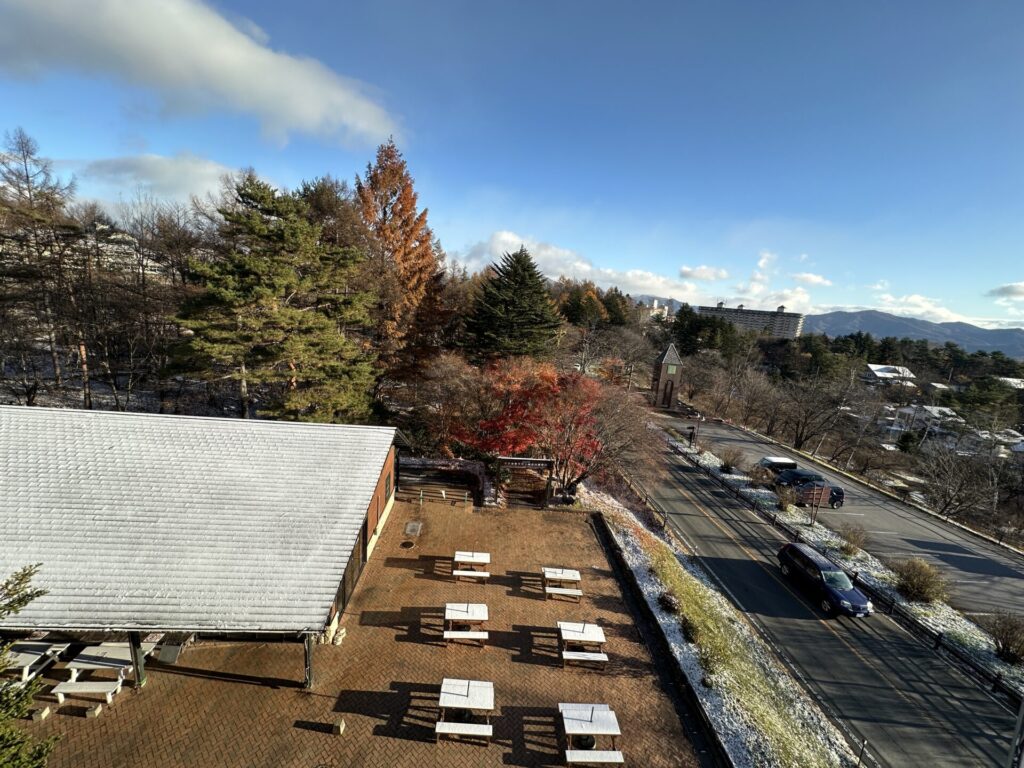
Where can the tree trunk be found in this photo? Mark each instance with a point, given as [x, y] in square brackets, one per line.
[243, 390]
[51, 337]
[83, 361]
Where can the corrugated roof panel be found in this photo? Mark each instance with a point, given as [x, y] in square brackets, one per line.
[171, 522]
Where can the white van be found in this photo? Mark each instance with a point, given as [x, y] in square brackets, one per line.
[776, 464]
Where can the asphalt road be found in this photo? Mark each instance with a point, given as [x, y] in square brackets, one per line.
[983, 577]
[877, 681]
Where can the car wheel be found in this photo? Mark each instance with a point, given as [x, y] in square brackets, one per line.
[836, 504]
[785, 569]
[826, 606]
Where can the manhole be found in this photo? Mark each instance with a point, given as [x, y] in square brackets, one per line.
[584, 742]
[407, 544]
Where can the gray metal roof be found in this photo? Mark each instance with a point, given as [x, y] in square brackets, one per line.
[143, 521]
[669, 357]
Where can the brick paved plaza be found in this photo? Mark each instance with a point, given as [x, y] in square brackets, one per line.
[241, 704]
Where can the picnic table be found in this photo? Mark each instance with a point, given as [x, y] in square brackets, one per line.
[580, 634]
[464, 615]
[561, 582]
[471, 559]
[590, 720]
[559, 577]
[26, 655]
[471, 695]
[114, 656]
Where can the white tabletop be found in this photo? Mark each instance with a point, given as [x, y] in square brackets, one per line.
[561, 574]
[466, 694]
[476, 558]
[581, 632]
[26, 654]
[588, 721]
[465, 612]
[117, 651]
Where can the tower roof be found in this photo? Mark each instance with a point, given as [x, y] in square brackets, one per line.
[669, 357]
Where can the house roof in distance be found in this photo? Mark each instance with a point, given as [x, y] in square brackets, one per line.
[890, 371]
[153, 522]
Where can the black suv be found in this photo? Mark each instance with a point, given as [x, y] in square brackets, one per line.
[825, 580]
[797, 477]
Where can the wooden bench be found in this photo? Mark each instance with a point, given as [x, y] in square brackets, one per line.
[593, 757]
[479, 575]
[584, 657]
[106, 687]
[479, 730]
[566, 591]
[478, 635]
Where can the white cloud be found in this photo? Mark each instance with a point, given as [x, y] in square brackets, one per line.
[809, 278]
[915, 305]
[703, 273]
[193, 58]
[555, 261]
[881, 285]
[177, 177]
[760, 277]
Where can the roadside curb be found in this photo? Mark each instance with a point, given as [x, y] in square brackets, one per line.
[719, 754]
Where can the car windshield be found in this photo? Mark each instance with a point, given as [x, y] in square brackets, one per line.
[837, 580]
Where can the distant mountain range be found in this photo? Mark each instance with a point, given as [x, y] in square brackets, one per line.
[1009, 341]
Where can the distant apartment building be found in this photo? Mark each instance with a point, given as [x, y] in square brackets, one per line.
[646, 312]
[780, 323]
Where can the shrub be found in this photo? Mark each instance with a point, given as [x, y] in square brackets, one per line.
[787, 497]
[731, 459]
[760, 476]
[919, 581]
[668, 602]
[1007, 629]
[854, 538]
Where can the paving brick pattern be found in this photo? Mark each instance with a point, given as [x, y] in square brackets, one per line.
[239, 704]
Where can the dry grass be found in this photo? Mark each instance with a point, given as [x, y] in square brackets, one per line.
[854, 537]
[919, 581]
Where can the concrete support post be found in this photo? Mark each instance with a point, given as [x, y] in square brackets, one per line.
[138, 658]
[309, 641]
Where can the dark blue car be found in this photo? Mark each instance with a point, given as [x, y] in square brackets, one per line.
[824, 579]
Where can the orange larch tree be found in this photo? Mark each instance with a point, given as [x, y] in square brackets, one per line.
[407, 258]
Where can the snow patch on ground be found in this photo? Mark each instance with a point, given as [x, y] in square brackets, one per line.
[745, 745]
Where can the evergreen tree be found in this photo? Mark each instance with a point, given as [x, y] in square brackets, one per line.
[279, 313]
[16, 749]
[513, 314]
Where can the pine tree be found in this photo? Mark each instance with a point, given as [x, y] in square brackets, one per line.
[16, 749]
[408, 261]
[513, 314]
[278, 312]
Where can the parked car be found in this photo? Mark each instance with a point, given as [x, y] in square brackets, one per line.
[776, 464]
[824, 580]
[794, 477]
[805, 493]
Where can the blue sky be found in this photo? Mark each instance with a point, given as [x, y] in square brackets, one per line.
[818, 155]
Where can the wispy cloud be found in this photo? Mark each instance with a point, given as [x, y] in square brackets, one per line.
[192, 58]
[916, 305]
[809, 278]
[555, 261]
[1009, 292]
[881, 285]
[760, 278]
[175, 177]
[703, 273]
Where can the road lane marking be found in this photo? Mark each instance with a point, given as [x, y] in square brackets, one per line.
[881, 671]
